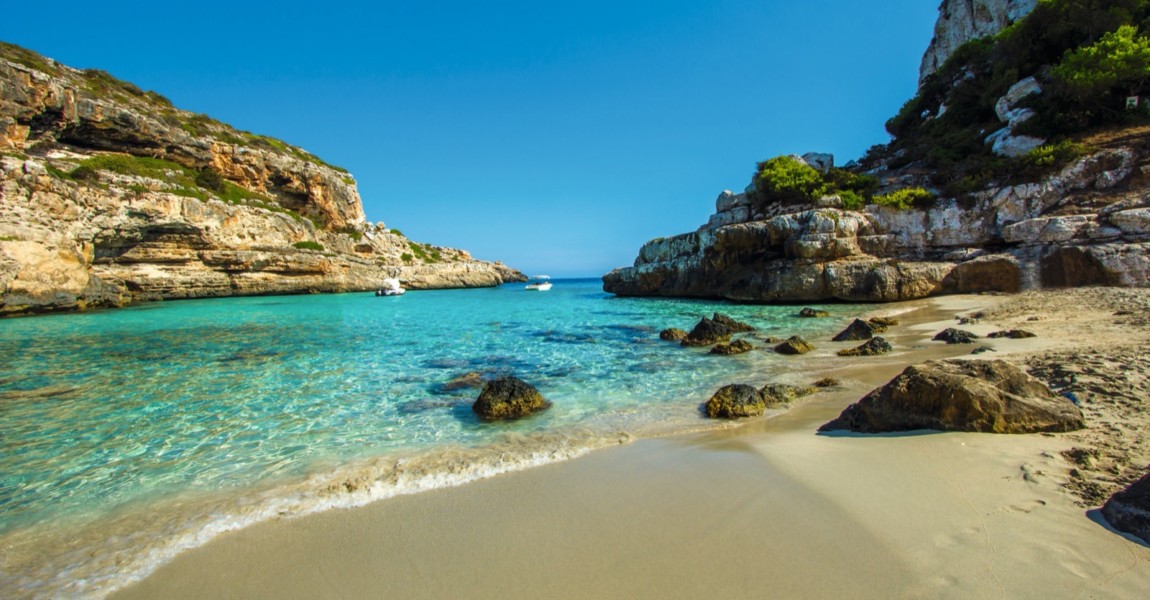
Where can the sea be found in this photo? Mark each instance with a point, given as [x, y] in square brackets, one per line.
[130, 435]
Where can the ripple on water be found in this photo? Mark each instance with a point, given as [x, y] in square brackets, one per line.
[129, 435]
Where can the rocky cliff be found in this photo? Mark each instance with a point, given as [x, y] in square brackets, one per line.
[1087, 225]
[109, 194]
[960, 21]
[1003, 210]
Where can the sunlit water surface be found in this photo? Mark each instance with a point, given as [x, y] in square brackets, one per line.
[128, 435]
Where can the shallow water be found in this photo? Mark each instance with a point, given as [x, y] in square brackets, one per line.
[128, 435]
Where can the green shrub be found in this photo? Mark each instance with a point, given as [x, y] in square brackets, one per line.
[851, 200]
[397, 232]
[905, 198]
[1119, 61]
[308, 245]
[210, 180]
[351, 232]
[406, 257]
[84, 173]
[787, 179]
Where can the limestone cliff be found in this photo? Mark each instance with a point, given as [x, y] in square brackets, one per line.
[109, 194]
[999, 208]
[960, 21]
[1087, 225]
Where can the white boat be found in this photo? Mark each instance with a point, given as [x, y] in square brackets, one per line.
[540, 283]
[391, 287]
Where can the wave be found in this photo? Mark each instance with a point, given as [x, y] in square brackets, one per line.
[95, 559]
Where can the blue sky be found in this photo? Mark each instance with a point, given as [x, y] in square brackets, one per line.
[555, 136]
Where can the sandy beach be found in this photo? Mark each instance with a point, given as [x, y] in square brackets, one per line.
[771, 508]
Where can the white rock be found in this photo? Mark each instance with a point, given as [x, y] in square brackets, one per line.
[960, 21]
[1017, 92]
[820, 161]
[1134, 221]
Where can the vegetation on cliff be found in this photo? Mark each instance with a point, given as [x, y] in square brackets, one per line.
[790, 180]
[1088, 56]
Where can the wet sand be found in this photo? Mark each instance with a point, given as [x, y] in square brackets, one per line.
[770, 509]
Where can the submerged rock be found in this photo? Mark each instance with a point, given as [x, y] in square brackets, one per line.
[719, 328]
[735, 401]
[509, 398]
[873, 347]
[827, 382]
[471, 379]
[672, 335]
[883, 321]
[951, 335]
[986, 396]
[735, 347]
[859, 330]
[794, 345]
[1128, 511]
[811, 313]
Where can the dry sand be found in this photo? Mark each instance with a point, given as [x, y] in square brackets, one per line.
[770, 509]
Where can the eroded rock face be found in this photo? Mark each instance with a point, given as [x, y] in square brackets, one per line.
[984, 396]
[118, 235]
[960, 21]
[509, 398]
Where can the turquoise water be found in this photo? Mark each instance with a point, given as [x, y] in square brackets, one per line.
[132, 434]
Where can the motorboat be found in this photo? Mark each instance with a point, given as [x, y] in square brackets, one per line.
[391, 287]
[539, 283]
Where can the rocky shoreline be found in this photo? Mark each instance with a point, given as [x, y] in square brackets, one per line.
[110, 195]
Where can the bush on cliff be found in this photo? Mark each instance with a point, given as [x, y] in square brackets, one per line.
[1087, 55]
[905, 198]
[790, 180]
[308, 245]
[787, 180]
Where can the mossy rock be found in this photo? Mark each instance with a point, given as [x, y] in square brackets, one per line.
[672, 335]
[873, 347]
[509, 398]
[794, 345]
[735, 401]
[735, 347]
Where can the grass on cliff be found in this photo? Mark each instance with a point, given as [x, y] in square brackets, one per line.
[425, 252]
[28, 58]
[308, 245]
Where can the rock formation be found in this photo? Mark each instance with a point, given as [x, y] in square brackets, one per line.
[1086, 223]
[508, 398]
[794, 345]
[735, 401]
[1129, 510]
[873, 347]
[109, 194]
[960, 21]
[985, 396]
[1078, 227]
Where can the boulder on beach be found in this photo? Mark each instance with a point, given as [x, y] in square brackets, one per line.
[735, 401]
[794, 345]
[508, 398]
[1128, 511]
[859, 330]
[1013, 334]
[812, 313]
[672, 335]
[719, 328]
[872, 347]
[781, 393]
[951, 335]
[827, 382]
[961, 395]
[735, 347]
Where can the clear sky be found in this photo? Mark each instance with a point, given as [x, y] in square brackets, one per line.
[557, 136]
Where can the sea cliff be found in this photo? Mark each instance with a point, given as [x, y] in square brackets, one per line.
[110, 195]
[978, 191]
